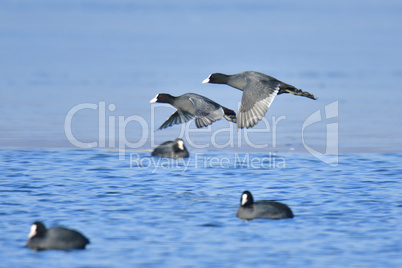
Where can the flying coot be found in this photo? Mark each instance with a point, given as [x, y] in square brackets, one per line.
[249, 209]
[171, 149]
[41, 238]
[259, 90]
[188, 105]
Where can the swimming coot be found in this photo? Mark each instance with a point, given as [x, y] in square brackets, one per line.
[249, 209]
[171, 149]
[259, 90]
[188, 105]
[41, 238]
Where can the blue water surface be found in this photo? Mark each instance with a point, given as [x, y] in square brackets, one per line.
[177, 213]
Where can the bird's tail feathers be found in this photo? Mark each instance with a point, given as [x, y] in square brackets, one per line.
[300, 92]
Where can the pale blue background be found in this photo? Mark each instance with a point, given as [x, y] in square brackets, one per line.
[57, 54]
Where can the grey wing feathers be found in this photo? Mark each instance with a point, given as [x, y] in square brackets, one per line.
[257, 98]
[273, 209]
[206, 111]
[177, 117]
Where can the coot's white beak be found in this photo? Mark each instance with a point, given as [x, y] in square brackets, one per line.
[180, 144]
[154, 99]
[206, 80]
[243, 199]
[33, 231]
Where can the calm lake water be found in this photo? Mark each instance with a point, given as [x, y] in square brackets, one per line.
[183, 213]
[76, 127]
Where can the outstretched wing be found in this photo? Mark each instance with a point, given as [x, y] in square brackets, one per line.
[257, 97]
[206, 111]
[177, 117]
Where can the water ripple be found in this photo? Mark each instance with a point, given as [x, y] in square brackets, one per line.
[138, 215]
